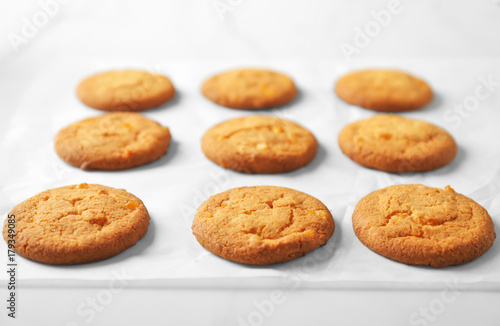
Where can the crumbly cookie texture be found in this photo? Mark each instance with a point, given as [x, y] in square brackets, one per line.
[384, 90]
[112, 141]
[262, 225]
[249, 89]
[259, 144]
[77, 224]
[396, 144]
[125, 90]
[420, 225]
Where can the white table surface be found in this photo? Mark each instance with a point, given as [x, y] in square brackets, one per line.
[452, 44]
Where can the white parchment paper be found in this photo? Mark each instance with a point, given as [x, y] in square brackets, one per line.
[174, 186]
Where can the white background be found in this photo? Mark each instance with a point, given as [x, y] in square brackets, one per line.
[169, 278]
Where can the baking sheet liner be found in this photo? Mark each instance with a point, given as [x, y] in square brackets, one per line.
[174, 186]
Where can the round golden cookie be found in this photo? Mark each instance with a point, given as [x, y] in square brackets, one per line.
[249, 89]
[420, 225]
[76, 224]
[259, 144]
[396, 144]
[112, 141]
[384, 90]
[262, 225]
[125, 90]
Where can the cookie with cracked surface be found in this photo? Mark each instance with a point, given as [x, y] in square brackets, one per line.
[112, 141]
[259, 144]
[77, 224]
[396, 144]
[125, 90]
[249, 89]
[384, 90]
[262, 225]
[420, 225]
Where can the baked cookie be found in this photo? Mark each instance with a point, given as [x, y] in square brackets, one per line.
[420, 225]
[125, 90]
[384, 90]
[76, 224]
[259, 144]
[396, 144]
[262, 225]
[249, 89]
[112, 141]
